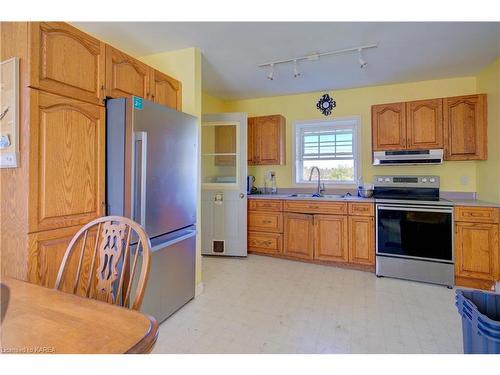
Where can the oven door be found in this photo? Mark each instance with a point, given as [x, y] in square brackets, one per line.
[417, 232]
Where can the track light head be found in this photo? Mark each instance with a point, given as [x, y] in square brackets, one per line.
[270, 76]
[296, 72]
[362, 63]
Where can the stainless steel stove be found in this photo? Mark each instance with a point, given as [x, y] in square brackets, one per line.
[414, 229]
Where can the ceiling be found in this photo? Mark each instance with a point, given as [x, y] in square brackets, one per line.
[232, 50]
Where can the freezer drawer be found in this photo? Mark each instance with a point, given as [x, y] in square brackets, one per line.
[171, 281]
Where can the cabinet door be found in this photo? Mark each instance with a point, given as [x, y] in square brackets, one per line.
[331, 238]
[476, 250]
[361, 240]
[66, 162]
[424, 124]
[165, 90]
[66, 61]
[126, 76]
[269, 138]
[46, 251]
[389, 127]
[465, 127]
[299, 236]
[251, 141]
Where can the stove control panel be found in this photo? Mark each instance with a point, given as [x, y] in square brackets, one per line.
[407, 181]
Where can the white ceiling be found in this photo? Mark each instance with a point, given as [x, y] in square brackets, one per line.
[232, 50]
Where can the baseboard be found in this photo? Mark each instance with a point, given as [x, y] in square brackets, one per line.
[198, 289]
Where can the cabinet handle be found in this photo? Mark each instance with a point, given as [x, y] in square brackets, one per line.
[267, 221]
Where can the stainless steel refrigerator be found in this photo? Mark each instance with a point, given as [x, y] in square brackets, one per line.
[151, 177]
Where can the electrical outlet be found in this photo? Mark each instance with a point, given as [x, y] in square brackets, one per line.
[464, 180]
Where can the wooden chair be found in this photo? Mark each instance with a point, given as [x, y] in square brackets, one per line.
[111, 278]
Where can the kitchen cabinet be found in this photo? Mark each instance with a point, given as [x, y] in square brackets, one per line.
[266, 140]
[389, 127]
[46, 251]
[265, 221]
[165, 90]
[65, 61]
[465, 122]
[361, 240]
[330, 241]
[334, 232]
[267, 243]
[265, 226]
[456, 124]
[126, 76]
[424, 124]
[299, 235]
[476, 246]
[66, 161]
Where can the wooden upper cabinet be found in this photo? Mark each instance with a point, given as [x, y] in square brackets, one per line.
[362, 240]
[126, 76]
[267, 140]
[389, 127]
[465, 127]
[476, 250]
[66, 163]
[165, 90]
[66, 61]
[299, 236]
[250, 141]
[424, 124]
[331, 238]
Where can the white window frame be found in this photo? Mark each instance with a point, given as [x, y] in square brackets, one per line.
[354, 121]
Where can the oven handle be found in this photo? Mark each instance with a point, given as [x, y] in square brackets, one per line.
[407, 208]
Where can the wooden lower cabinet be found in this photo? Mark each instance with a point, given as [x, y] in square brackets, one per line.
[330, 242]
[46, 251]
[299, 235]
[262, 242]
[361, 240]
[476, 250]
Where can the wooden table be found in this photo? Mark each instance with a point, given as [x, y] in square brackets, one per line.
[42, 320]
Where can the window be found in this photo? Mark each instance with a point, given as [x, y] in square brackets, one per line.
[332, 146]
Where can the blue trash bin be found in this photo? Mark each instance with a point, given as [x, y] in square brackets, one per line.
[480, 313]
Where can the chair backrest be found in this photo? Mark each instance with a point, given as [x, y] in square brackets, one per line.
[109, 278]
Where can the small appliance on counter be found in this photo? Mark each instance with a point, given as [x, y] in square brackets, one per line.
[251, 189]
[365, 190]
[414, 230]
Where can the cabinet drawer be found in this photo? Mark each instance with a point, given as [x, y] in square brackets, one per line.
[265, 221]
[314, 207]
[265, 242]
[361, 209]
[476, 214]
[265, 205]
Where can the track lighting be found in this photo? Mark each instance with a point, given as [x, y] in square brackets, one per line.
[362, 63]
[296, 72]
[270, 76]
[315, 57]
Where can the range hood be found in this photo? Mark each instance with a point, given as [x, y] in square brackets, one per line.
[408, 157]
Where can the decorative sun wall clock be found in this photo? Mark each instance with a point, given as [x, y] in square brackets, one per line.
[326, 104]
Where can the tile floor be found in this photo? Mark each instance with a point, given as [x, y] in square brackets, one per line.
[266, 305]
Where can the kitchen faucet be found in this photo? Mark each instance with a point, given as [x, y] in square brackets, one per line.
[319, 191]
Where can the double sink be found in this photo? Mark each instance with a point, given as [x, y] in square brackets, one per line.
[325, 196]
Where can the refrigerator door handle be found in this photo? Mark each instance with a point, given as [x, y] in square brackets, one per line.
[187, 234]
[140, 205]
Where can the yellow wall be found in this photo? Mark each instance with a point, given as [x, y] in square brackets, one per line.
[488, 171]
[185, 65]
[211, 104]
[358, 102]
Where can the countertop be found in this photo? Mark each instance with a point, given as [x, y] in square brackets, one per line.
[456, 202]
[325, 199]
